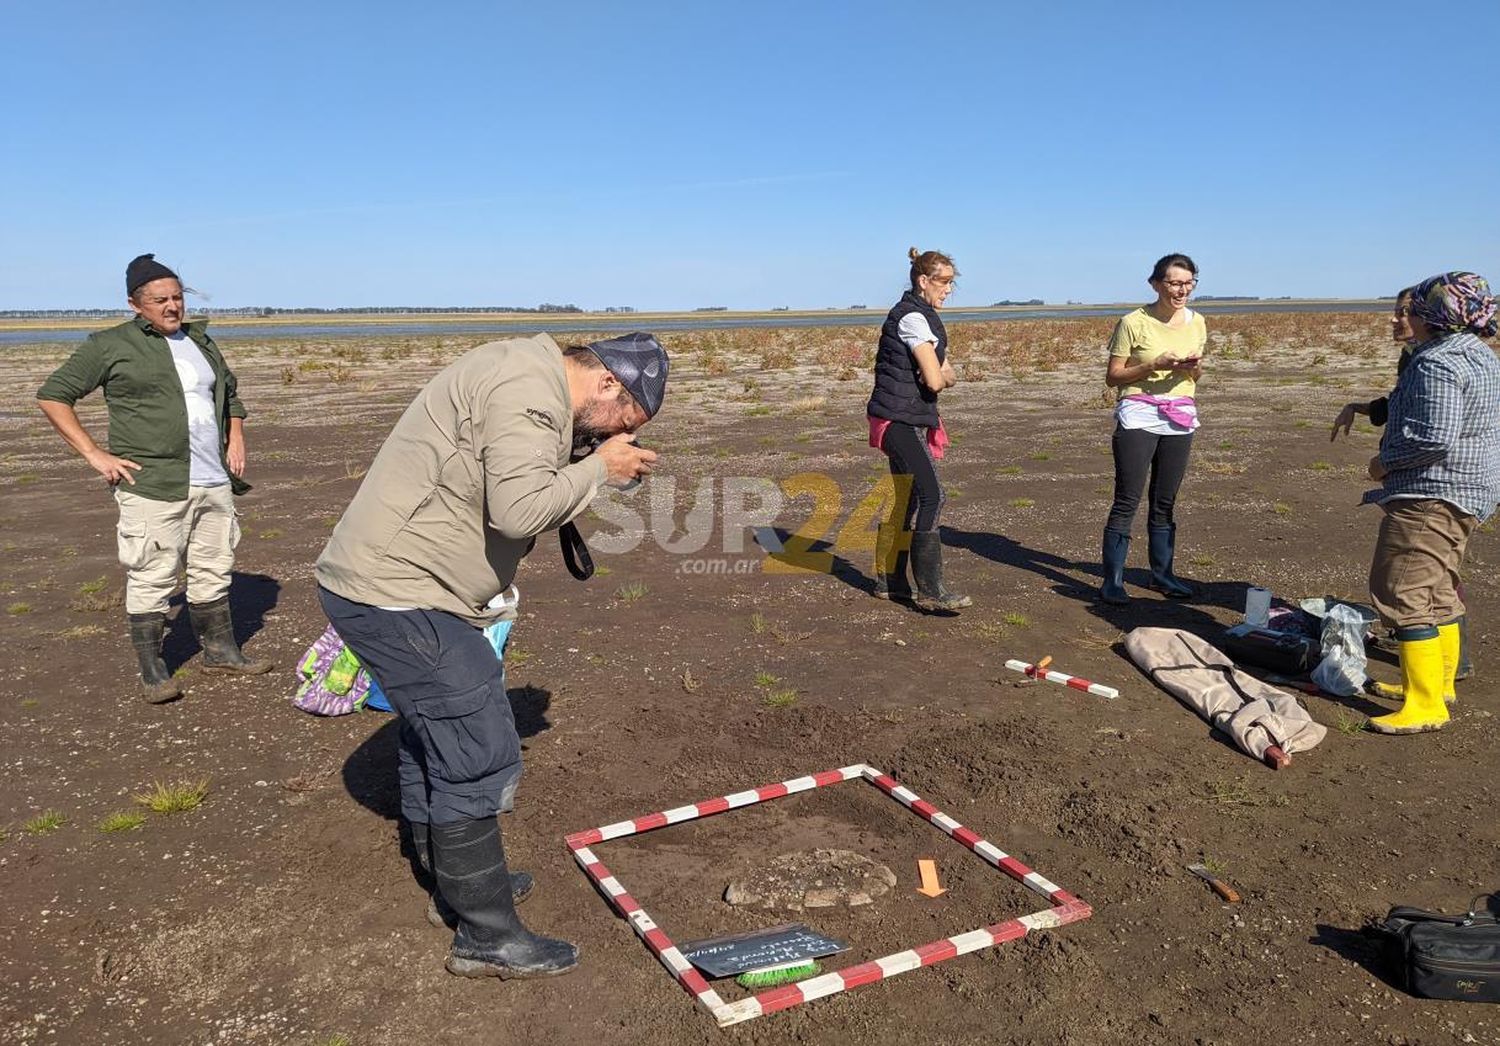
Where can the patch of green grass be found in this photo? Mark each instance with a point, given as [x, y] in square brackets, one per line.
[779, 698]
[27, 477]
[44, 822]
[94, 587]
[122, 821]
[1016, 620]
[759, 410]
[17, 609]
[1009, 470]
[174, 798]
[603, 571]
[1021, 503]
[269, 534]
[989, 630]
[1203, 559]
[336, 1039]
[765, 679]
[1281, 508]
[515, 657]
[631, 591]
[758, 624]
[1224, 792]
[1226, 444]
[29, 702]
[1302, 423]
[1040, 455]
[1320, 466]
[1348, 722]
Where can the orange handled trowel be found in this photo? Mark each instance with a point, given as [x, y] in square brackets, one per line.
[1220, 887]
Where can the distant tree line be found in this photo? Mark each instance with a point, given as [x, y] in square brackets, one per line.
[268, 310]
[1008, 301]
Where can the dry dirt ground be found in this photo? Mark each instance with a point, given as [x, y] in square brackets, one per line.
[282, 911]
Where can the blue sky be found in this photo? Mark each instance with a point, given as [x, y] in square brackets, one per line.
[666, 155]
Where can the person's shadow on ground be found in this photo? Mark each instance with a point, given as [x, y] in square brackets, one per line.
[251, 598]
[370, 770]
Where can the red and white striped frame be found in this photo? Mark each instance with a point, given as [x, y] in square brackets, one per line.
[1065, 907]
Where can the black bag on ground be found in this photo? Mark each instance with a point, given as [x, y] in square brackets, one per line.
[1283, 652]
[1444, 956]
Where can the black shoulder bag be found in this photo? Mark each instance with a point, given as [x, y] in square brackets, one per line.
[1444, 956]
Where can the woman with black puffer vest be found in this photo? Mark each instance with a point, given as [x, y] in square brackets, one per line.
[911, 368]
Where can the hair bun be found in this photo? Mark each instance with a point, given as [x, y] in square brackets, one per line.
[913, 253]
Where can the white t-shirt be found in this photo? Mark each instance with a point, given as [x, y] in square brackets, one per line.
[914, 329]
[197, 377]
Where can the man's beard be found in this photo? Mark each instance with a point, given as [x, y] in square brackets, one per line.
[589, 426]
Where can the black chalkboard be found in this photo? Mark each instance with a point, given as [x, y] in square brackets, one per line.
[785, 945]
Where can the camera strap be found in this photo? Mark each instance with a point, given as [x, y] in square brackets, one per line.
[575, 553]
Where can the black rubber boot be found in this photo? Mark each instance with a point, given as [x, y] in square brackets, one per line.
[439, 912]
[1465, 666]
[215, 630]
[146, 632]
[1116, 549]
[892, 585]
[469, 863]
[927, 567]
[1163, 546]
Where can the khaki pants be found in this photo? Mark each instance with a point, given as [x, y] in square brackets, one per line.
[157, 537]
[1414, 576]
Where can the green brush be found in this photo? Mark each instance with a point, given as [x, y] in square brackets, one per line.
[775, 976]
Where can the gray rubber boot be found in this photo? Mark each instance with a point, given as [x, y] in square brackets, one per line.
[892, 585]
[215, 630]
[1163, 549]
[1465, 666]
[927, 566]
[146, 633]
[1116, 549]
[469, 863]
[439, 912]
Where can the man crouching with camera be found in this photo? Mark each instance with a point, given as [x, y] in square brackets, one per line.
[422, 561]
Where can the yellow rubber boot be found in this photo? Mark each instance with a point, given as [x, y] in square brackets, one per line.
[1449, 637]
[1422, 675]
[1452, 641]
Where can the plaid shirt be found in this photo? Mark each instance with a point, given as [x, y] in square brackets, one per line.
[1442, 439]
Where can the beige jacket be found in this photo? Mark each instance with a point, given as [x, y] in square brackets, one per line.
[475, 469]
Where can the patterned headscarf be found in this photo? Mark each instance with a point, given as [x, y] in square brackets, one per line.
[1455, 301]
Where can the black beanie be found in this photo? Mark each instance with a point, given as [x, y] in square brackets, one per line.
[142, 271]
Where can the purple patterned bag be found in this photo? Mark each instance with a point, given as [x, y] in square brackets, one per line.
[333, 683]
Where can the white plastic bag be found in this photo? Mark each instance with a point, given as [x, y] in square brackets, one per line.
[1342, 670]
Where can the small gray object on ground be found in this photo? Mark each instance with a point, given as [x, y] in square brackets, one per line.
[812, 879]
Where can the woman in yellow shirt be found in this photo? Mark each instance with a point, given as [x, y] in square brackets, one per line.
[1155, 361]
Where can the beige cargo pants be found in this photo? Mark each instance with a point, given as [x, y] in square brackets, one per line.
[156, 538]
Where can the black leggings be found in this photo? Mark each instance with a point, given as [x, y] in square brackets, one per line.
[1138, 452]
[906, 446]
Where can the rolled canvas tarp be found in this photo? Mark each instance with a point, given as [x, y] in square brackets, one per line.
[1255, 715]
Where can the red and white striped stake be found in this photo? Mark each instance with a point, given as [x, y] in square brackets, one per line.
[1098, 689]
[1063, 908]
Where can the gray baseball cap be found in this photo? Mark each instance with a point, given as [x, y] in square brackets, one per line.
[640, 364]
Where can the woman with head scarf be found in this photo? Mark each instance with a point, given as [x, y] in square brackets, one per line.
[1439, 469]
[1377, 410]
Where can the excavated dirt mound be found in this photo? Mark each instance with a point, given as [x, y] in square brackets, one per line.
[812, 879]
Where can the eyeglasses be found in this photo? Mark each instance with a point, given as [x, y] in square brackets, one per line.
[1179, 285]
[944, 281]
